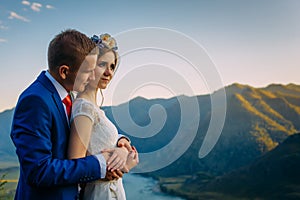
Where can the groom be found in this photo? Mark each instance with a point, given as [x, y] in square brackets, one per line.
[40, 128]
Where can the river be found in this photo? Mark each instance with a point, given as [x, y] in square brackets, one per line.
[138, 187]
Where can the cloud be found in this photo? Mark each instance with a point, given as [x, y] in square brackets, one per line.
[14, 15]
[36, 7]
[26, 3]
[49, 7]
[2, 40]
[2, 27]
[33, 6]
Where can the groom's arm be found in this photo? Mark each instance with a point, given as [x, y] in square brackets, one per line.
[31, 134]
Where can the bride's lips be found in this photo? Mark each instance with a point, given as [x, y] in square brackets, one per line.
[105, 80]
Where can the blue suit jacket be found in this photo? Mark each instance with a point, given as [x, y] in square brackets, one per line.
[40, 132]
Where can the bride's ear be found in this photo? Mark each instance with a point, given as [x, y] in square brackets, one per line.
[63, 71]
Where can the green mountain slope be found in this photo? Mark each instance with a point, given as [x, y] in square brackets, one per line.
[257, 120]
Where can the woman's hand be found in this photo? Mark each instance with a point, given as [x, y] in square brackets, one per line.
[117, 158]
[132, 160]
[123, 142]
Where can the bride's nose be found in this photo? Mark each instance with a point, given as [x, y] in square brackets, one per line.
[108, 71]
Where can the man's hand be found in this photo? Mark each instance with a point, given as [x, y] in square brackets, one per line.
[123, 142]
[113, 175]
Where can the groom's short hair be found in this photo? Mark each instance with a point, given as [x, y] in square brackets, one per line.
[70, 48]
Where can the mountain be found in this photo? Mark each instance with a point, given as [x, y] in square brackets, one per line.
[275, 175]
[257, 120]
[7, 150]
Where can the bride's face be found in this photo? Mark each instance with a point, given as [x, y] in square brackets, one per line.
[105, 69]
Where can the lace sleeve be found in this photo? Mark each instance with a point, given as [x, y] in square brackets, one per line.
[83, 108]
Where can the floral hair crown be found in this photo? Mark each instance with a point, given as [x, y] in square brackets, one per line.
[105, 40]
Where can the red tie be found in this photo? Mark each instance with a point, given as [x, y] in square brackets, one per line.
[68, 103]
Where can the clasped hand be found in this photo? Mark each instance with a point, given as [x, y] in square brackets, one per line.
[120, 160]
[117, 158]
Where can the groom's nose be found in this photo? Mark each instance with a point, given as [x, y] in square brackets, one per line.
[92, 75]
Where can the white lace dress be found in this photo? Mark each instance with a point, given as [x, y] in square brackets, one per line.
[104, 135]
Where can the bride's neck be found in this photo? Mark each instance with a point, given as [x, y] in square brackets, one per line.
[89, 94]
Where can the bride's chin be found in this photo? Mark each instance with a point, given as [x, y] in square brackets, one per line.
[101, 87]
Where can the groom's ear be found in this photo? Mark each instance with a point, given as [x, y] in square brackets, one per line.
[63, 71]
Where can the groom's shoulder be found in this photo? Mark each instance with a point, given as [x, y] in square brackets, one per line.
[39, 86]
[36, 90]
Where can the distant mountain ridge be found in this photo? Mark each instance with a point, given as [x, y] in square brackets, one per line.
[257, 120]
[7, 151]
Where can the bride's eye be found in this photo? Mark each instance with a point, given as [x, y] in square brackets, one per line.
[112, 67]
[102, 64]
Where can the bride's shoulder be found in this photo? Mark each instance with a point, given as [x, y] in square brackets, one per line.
[82, 104]
[80, 101]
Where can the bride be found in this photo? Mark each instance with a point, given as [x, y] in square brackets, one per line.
[92, 132]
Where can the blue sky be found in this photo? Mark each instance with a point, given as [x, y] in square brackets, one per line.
[254, 42]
